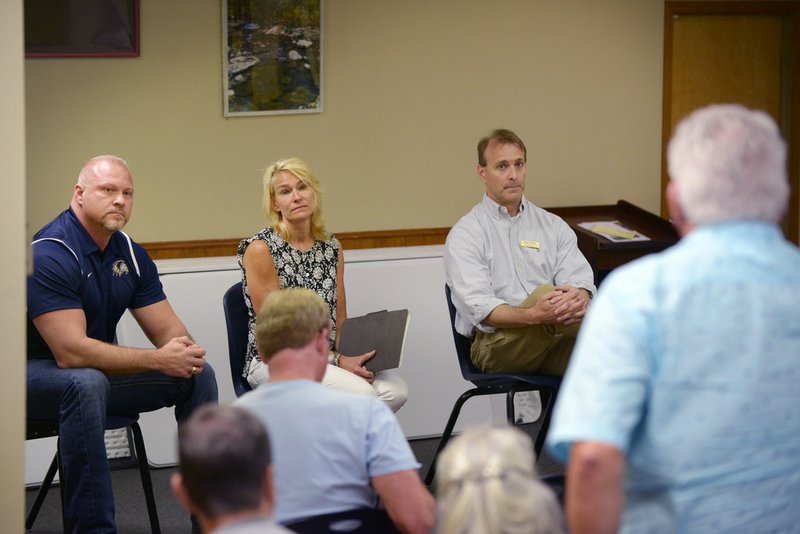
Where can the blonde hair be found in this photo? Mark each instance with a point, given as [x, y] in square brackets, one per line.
[300, 170]
[289, 318]
[486, 482]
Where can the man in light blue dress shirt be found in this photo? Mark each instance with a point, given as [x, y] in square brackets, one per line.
[680, 411]
[519, 283]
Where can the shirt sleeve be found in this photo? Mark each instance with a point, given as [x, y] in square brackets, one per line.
[467, 273]
[572, 268]
[56, 279]
[149, 289]
[604, 392]
[387, 448]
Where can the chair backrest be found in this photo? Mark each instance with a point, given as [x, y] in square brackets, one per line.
[468, 369]
[365, 521]
[236, 320]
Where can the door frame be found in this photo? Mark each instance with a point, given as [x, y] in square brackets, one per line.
[789, 122]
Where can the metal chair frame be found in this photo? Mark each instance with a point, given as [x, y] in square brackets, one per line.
[492, 384]
[363, 521]
[45, 429]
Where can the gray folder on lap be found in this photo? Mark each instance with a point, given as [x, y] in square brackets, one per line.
[384, 331]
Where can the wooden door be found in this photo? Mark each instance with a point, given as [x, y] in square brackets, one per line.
[744, 52]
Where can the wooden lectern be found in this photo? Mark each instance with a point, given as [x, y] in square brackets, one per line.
[604, 254]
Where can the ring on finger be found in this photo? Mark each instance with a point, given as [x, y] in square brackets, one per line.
[195, 370]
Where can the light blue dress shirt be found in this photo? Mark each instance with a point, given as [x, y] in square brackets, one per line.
[492, 258]
[689, 362]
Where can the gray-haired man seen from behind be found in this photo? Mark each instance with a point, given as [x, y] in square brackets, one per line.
[680, 410]
[225, 473]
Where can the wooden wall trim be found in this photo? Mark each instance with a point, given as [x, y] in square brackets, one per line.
[206, 248]
[203, 248]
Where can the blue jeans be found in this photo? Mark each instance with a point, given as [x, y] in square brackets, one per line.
[79, 400]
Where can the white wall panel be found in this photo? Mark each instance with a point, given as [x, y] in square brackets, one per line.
[409, 277]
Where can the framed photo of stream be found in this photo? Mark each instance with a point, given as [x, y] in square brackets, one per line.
[271, 57]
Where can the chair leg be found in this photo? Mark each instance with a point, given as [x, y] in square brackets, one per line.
[548, 400]
[61, 487]
[448, 429]
[42, 493]
[510, 416]
[144, 472]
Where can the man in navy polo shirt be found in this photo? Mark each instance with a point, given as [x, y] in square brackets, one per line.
[86, 273]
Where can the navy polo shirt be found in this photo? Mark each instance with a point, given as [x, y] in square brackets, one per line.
[71, 272]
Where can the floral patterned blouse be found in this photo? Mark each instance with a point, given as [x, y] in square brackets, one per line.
[314, 269]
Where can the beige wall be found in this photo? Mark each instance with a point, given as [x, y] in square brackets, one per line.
[12, 268]
[409, 87]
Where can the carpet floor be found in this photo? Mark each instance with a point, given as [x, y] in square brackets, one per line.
[131, 512]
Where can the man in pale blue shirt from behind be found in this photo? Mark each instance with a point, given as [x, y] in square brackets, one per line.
[333, 451]
[680, 411]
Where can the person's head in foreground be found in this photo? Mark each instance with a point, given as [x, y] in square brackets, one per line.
[487, 482]
[726, 162]
[291, 321]
[225, 471]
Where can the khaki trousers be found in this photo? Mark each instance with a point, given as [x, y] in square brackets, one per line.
[537, 349]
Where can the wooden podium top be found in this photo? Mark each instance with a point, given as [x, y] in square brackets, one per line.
[604, 254]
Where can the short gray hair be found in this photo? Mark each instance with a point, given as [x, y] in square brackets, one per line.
[727, 163]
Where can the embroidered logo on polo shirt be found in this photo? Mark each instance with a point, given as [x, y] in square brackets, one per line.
[119, 268]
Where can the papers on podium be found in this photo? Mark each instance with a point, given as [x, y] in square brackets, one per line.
[382, 331]
[614, 231]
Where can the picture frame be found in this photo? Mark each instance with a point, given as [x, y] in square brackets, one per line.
[271, 57]
[89, 28]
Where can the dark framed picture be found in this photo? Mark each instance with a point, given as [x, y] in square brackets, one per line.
[271, 57]
[82, 28]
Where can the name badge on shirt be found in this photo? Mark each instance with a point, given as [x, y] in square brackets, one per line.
[529, 244]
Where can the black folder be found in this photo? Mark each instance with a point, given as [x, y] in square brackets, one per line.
[383, 331]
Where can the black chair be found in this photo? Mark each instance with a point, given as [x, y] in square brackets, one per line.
[365, 521]
[236, 320]
[45, 429]
[490, 384]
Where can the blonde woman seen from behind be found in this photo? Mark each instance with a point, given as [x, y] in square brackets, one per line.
[487, 484]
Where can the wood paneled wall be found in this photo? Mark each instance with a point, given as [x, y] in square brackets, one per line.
[207, 248]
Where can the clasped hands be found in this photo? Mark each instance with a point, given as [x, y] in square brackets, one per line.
[182, 357]
[563, 305]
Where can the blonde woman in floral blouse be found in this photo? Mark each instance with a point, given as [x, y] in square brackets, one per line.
[296, 251]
